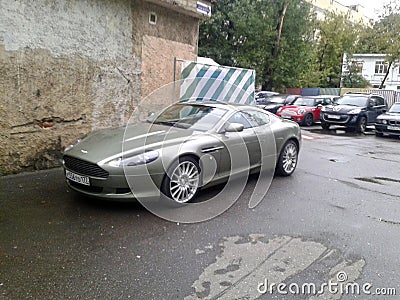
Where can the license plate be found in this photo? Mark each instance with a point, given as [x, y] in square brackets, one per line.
[77, 178]
[286, 116]
[334, 117]
[393, 128]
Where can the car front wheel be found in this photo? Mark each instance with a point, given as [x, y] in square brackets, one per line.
[308, 120]
[362, 125]
[182, 180]
[325, 125]
[288, 157]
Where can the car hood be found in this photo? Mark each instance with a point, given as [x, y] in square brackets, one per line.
[296, 108]
[389, 116]
[108, 143]
[342, 108]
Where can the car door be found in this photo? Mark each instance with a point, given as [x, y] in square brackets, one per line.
[380, 106]
[372, 111]
[242, 149]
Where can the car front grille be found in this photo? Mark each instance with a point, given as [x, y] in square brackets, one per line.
[343, 118]
[393, 122]
[83, 167]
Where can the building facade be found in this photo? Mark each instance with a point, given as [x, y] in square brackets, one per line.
[356, 12]
[373, 67]
[70, 67]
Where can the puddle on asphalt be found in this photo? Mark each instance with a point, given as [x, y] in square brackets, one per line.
[247, 263]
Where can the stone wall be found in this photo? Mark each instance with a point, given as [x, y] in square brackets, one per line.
[66, 68]
[70, 67]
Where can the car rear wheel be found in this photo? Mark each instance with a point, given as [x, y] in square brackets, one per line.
[288, 157]
[362, 125]
[182, 180]
[325, 125]
[308, 120]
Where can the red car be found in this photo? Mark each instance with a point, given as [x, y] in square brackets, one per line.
[305, 110]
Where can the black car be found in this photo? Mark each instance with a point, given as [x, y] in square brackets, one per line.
[354, 111]
[389, 123]
[274, 102]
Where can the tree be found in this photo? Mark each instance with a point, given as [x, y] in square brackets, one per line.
[383, 37]
[352, 77]
[270, 36]
[336, 35]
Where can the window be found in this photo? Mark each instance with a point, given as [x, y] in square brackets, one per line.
[256, 118]
[379, 101]
[239, 118]
[152, 18]
[381, 67]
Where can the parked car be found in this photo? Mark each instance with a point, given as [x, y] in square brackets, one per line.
[354, 111]
[169, 148]
[274, 102]
[389, 123]
[261, 96]
[304, 110]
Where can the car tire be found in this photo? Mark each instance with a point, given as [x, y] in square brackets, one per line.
[181, 182]
[288, 158]
[378, 133]
[325, 125]
[308, 120]
[361, 125]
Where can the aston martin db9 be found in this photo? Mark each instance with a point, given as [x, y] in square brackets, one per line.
[183, 148]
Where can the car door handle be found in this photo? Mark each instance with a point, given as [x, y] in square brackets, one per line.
[212, 149]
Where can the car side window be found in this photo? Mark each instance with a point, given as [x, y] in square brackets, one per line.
[379, 101]
[327, 101]
[318, 102]
[371, 102]
[256, 118]
[239, 118]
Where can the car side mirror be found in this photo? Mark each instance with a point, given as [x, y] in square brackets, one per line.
[234, 127]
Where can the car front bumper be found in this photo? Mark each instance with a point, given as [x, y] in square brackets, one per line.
[387, 129]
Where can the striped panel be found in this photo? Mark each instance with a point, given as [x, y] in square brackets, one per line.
[201, 82]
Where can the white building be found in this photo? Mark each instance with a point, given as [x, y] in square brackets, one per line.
[373, 68]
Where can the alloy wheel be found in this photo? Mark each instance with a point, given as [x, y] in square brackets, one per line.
[184, 182]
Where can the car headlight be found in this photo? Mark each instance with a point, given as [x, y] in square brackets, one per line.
[137, 160]
[354, 111]
[301, 111]
[384, 122]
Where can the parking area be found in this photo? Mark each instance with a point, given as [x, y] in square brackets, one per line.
[339, 212]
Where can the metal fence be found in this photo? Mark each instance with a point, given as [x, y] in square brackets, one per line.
[389, 95]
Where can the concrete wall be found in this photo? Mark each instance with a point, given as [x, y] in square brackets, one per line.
[70, 67]
[66, 68]
[173, 35]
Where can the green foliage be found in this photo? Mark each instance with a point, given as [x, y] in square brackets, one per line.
[383, 36]
[243, 33]
[352, 78]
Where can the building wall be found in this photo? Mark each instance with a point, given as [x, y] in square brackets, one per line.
[356, 12]
[70, 67]
[368, 71]
[173, 35]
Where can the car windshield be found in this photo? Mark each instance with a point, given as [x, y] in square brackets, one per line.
[277, 99]
[352, 101]
[395, 108]
[304, 102]
[195, 117]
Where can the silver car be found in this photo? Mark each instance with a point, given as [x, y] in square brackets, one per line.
[186, 147]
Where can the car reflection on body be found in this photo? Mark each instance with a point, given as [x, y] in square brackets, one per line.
[305, 110]
[274, 102]
[170, 146]
[389, 123]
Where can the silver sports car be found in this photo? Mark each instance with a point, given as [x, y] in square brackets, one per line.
[185, 147]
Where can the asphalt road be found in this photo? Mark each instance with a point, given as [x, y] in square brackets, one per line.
[336, 219]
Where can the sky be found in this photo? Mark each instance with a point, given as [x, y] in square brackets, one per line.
[371, 7]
